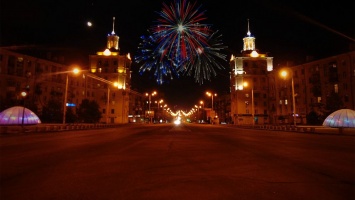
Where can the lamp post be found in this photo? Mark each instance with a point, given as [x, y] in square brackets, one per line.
[149, 102]
[159, 102]
[252, 102]
[198, 112]
[203, 109]
[108, 92]
[75, 71]
[211, 95]
[284, 74]
[23, 94]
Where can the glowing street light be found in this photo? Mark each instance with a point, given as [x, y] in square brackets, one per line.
[284, 74]
[211, 95]
[159, 105]
[74, 71]
[149, 99]
[23, 94]
[115, 84]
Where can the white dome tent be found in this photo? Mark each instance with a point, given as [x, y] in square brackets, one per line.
[343, 118]
[18, 115]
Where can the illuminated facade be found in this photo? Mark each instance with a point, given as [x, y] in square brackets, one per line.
[316, 84]
[109, 65]
[249, 83]
[106, 80]
[259, 95]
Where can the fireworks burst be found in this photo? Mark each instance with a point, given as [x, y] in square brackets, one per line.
[180, 43]
[154, 60]
[205, 62]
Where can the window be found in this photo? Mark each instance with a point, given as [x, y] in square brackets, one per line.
[319, 99]
[112, 111]
[336, 88]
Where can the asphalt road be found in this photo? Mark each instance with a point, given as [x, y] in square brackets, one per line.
[189, 161]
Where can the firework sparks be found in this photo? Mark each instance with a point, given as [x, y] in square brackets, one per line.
[207, 60]
[180, 43]
[154, 61]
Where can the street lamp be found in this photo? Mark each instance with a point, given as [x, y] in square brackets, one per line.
[252, 101]
[115, 84]
[149, 102]
[284, 74]
[159, 102]
[198, 113]
[211, 95]
[75, 71]
[23, 94]
[203, 109]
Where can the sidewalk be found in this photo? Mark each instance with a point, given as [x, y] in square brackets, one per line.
[303, 128]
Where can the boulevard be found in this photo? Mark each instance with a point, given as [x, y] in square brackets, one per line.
[186, 161]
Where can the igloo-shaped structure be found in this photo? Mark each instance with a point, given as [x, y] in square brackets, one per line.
[343, 118]
[14, 115]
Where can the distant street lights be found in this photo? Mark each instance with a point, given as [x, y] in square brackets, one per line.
[203, 109]
[198, 113]
[149, 102]
[159, 104]
[211, 95]
[284, 74]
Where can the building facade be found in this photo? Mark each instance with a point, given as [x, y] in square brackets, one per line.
[319, 86]
[262, 94]
[249, 82]
[50, 83]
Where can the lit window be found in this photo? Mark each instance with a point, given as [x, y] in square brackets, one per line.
[280, 102]
[319, 99]
[336, 88]
[286, 102]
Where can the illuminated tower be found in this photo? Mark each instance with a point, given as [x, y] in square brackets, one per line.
[249, 67]
[113, 39]
[114, 67]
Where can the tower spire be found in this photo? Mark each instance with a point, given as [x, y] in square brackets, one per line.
[112, 39]
[248, 33]
[113, 26]
[249, 41]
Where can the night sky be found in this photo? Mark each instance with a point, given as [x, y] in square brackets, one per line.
[287, 31]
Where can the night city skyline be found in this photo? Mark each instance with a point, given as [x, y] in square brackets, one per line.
[287, 31]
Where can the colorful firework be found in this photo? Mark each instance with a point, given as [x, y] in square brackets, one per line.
[154, 61]
[205, 63]
[180, 43]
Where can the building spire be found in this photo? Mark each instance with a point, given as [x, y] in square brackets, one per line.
[248, 33]
[113, 26]
[249, 41]
[113, 39]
